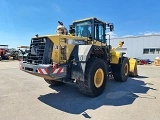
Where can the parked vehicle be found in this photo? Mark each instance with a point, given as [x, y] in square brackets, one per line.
[23, 53]
[82, 57]
[3, 51]
[143, 61]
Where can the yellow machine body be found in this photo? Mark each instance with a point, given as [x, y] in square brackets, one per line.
[133, 67]
[83, 56]
[62, 50]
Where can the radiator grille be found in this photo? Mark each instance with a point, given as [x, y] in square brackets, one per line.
[40, 51]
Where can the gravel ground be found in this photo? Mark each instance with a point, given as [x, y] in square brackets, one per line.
[27, 97]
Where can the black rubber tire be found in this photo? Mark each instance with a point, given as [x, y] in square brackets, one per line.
[87, 86]
[54, 83]
[118, 70]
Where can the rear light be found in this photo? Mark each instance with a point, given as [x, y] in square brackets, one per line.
[55, 66]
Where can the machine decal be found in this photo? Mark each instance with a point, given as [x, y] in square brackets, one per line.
[42, 71]
[54, 70]
[56, 47]
[58, 70]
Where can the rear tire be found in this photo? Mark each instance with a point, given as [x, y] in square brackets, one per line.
[95, 78]
[54, 83]
[121, 71]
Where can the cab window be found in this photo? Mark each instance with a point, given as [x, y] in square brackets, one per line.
[83, 29]
[99, 33]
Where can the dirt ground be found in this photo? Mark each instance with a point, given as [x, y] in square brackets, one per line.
[27, 97]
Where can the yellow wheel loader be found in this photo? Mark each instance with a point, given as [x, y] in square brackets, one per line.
[83, 57]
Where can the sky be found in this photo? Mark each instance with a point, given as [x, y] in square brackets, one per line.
[20, 20]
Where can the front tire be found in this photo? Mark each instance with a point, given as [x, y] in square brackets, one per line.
[95, 78]
[120, 71]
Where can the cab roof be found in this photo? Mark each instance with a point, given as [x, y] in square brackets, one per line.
[86, 19]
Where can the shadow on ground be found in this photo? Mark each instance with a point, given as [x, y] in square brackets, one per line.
[70, 100]
[141, 77]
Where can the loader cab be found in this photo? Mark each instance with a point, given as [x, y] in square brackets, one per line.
[92, 28]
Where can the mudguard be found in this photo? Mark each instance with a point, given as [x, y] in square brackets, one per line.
[133, 67]
[80, 55]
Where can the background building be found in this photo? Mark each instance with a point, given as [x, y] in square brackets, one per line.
[142, 47]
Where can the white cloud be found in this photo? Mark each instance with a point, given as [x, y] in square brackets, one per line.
[149, 33]
[128, 36]
[112, 35]
[56, 7]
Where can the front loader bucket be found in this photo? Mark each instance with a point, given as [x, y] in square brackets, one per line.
[133, 67]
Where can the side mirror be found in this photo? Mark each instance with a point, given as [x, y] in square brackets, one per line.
[111, 27]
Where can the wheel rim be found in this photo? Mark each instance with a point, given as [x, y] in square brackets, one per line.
[126, 69]
[98, 78]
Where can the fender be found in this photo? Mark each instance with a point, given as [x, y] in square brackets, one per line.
[115, 56]
[133, 67]
[79, 57]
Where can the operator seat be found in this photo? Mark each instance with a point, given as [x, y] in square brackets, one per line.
[86, 32]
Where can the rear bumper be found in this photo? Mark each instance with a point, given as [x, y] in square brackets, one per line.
[47, 71]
